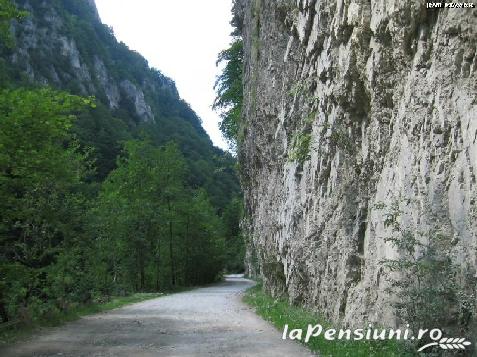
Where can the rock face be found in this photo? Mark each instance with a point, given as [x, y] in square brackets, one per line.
[134, 94]
[352, 106]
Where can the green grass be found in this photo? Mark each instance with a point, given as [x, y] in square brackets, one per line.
[280, 313]
[22, 331]
[114, 303]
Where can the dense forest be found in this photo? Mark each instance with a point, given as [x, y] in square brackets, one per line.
[101, 194]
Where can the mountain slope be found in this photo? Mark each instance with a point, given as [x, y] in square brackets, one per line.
[62, 43]
[121, 194]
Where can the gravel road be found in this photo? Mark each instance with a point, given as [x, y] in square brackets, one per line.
[210, 321]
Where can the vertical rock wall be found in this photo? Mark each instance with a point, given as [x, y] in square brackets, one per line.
[351, 105]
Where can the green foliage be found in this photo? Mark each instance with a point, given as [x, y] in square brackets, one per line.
[101, 133]
[102, 129]
[229, 102]
[279, 313]
[154, 232]
[300, 150]
[235, 245]
[8, 12]
[229, 88]
[75, 312]
[430, 288]
[41, 171]
[94, 202]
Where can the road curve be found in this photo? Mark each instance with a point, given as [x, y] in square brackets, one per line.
[210, 321]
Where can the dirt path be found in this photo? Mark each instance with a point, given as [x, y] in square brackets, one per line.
[208, 321]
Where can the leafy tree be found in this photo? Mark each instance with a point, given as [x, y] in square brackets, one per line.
[125, 213]
[235, 246]
[229, 101]
[41, 171]
[101, 133]
[229, 88]
[154, 225]
[203, 240]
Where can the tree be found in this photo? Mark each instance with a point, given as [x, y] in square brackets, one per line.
[204, 241]
[41, 171]
[127, 213]
[229, 89]
[153, 231]
[229, 101]
[235, 246]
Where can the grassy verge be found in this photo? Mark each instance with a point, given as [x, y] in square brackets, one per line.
[280, 313]
[21, 331]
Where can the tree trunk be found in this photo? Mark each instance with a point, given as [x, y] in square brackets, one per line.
[171, 251]
[187, 251]
[158, 264]
[142, 273]
[3, 311]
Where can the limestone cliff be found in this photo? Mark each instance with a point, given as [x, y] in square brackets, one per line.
[351, 106]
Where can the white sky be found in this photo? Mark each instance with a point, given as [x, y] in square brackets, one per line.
[182, 39]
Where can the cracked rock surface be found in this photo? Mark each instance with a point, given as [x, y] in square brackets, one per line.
[385, 92]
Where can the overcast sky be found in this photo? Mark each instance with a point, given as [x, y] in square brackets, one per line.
[181, 38]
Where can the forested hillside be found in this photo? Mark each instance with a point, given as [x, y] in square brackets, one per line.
[62, 43]
[108, 182]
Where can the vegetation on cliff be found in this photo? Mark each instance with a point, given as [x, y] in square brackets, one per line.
[229, 88]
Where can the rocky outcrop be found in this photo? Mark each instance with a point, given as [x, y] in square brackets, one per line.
[110, 88]
[143, 110]
[352, 106]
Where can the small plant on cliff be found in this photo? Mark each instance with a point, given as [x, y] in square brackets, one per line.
[424, 278]
[340, 138]
[304, 88]
[297, 89]
[300, 150]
